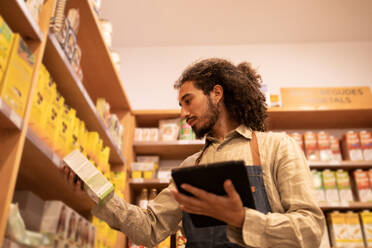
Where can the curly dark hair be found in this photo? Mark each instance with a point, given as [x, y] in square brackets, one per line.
[241, 84]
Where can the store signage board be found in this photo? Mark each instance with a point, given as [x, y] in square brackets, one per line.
[327, 98]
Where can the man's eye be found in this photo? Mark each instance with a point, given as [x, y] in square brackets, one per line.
[187, 102]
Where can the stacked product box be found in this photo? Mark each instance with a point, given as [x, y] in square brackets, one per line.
[330, 187]
[299, 139]
[311, 146]
[351, 147]
[366, 220]
[362, 186]
[146, 134]
[16, 66]
[324, 146]
[366, 144]
[335, 148]
[344, 187]
[318, 184]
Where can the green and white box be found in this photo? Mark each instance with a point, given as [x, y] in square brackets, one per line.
[96, 184]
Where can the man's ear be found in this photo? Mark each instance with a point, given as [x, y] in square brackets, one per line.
[216, 94]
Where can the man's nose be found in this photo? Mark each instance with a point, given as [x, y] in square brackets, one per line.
[184, 113]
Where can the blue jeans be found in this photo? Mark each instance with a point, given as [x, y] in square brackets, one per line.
[215, 237]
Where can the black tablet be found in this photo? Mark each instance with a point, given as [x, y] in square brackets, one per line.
[210, 177]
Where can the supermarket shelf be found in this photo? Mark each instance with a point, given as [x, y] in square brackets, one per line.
[150, 118]
[345, 165]
[139, 183]
[290, 118]
[9, 119]
[283, 118]
[350, 206]
[179, 149]
[76, 95]
[20, 20]
[93, 51]
[40, 168]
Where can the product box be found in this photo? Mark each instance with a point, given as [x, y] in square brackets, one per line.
[311, 146]
[366, 144]
[186, 132]
[56, 218]
[355, 236]
[344, 187]
[330, 187]
[324, 146]
[169, 129]
[97, 186]
[92, 236]
[366, 220]
[53, 120]
[335, 148]
[318, 185]
[351, 147]
[338, 229]
[17, 77]
[139, 169]
[65, 130]
[93, 138]
[299, 139]
[6, 43]
[362, 186]
[150, 159]
[49, 126]
[31, 209]
[72, 228]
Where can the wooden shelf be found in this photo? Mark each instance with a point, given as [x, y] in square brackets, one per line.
[139, 183]
[351, 206]
[179, 149]
[283, 118]
[345, 165]
[76, 95]
[9, 119]
[40, 173]
[20, 20]
[101, 78]
[286, 118]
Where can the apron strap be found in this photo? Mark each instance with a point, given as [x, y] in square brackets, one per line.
[254, 150]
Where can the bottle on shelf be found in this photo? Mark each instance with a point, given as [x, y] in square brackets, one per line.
[153, 193]
[143, 199]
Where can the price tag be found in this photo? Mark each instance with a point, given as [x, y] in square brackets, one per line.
[15, 118]
[164, 180]
[138, 180]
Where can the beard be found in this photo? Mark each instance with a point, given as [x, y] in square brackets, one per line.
[208, 120]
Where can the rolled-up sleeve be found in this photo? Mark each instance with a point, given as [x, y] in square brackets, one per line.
[302, 222]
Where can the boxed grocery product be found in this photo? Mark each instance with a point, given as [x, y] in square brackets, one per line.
[72, 227]
[275, 100]
[56, 218]
[169, 129]
[335, 148]
[351, 147]
[366, 220]
[92, 236]
[318, 185]
[93, 138]
[149, 159]
[53, 121]
[311, 146]
[366, 143]
[355, 236]
[138, 134]
[64, 130]
[6, 43]
[142, 169]
[119, 178]
[17, 76]
[97, 186]
[362, 185]
[31, 209]
[324, 146]
[186, 132]
[330, 187]
[344, 187]
[298, 138]
[338, 229]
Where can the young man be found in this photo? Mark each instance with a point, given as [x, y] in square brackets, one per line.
[223, 102]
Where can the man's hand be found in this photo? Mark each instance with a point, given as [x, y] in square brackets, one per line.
[227, 208]
[72, 178]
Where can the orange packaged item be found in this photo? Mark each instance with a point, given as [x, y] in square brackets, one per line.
[362, 185]
[299, 139]
[351, 146]
[335, 148]
[311, 146]
[324, 145]
[366, 143]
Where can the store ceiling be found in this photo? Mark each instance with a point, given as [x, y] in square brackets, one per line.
[236, 22]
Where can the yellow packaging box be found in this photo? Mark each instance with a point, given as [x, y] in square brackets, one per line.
[82, 133]
[6, 42]
[53, 119]
[72, 139]
[103, 163]
[17, 77]
[338, 229]
[65, 130]
[366, 218]
[93, 138]
[354, 237]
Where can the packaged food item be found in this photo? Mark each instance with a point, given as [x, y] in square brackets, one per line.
[186, 132]
[311, 146]
[97, 186]
[324, 146]
[275, 100]
[355, 238]
[169, 129]
[318, 184]
[58, 16]
[55, 220]
[351, 147]
[6, 43]
[330, 187]
[17, 76]
[335, 148]
[149, 159]
[299, 139]
[366, 144]
[338, 229]
[362, 185]
[344, 187]
[366, 220]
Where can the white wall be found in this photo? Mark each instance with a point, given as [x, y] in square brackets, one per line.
[148, 73]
